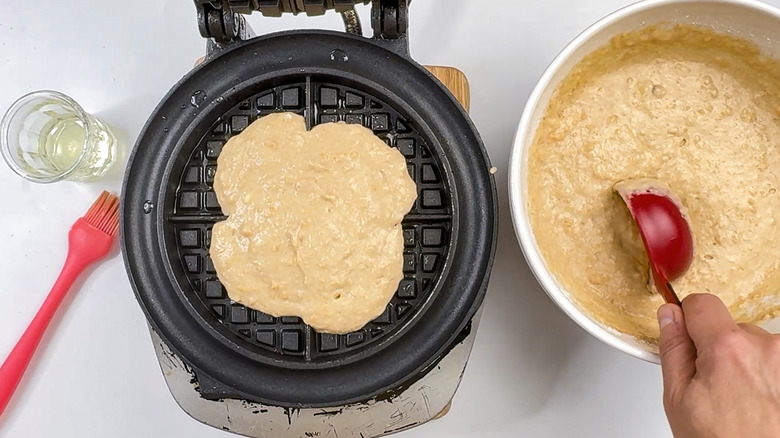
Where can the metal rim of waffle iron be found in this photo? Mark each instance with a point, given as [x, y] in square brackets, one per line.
[168, 207]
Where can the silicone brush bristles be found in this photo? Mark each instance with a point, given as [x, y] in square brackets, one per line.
[104, 214]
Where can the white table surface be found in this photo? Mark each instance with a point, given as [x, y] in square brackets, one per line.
[533, 372]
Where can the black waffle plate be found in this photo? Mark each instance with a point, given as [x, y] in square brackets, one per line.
[426, 228]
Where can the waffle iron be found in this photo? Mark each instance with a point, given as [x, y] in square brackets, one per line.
[234, 353]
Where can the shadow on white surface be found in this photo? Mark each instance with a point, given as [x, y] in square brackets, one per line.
[530, 340]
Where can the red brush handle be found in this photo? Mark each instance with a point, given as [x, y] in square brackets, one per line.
[86, 244]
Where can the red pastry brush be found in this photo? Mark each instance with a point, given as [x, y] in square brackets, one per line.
[89, 240]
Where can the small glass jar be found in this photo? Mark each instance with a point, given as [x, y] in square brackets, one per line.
[45, 136]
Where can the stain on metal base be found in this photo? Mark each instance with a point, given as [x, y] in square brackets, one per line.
[426, 399]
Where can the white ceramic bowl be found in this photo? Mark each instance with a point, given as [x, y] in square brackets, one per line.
[749, 19]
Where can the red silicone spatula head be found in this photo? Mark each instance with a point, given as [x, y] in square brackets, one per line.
[665, 230]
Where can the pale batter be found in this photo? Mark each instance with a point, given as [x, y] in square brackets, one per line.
[314, 221]
[684, 105]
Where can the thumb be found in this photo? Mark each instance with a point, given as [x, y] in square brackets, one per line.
[678, 353]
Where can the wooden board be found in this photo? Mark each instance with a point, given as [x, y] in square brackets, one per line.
[455, 81]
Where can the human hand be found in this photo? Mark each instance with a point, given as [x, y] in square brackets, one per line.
[721, 379]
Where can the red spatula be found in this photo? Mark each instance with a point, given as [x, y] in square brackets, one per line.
[89, 240]
[664, 228]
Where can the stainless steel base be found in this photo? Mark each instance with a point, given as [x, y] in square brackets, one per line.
[426, 399]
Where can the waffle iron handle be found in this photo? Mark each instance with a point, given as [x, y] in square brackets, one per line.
[221, 22]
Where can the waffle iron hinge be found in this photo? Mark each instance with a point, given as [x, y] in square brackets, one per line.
[389, 19]
[221, 21]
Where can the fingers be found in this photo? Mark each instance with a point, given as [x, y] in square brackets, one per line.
[677, 351]
[707, 318]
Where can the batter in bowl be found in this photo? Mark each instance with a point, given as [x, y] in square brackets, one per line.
[693, 108]
[314, 221]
